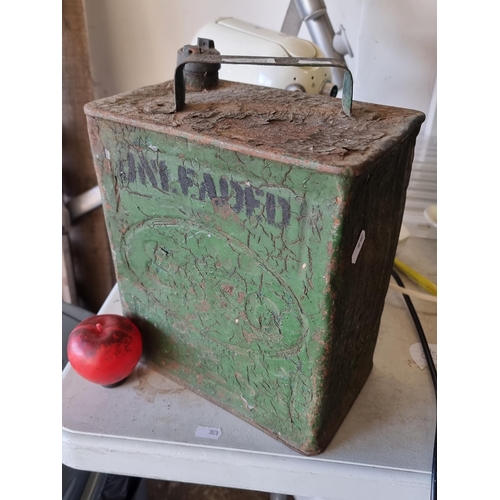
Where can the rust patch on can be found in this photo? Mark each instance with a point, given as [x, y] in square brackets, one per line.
[203, 306]
[228, 289]
[224, 209]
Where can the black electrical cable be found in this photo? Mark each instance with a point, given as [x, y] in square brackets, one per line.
[432, 371]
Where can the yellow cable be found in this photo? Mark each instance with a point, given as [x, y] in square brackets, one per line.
[416, 277]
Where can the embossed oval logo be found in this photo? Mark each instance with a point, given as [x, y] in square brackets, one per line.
[213, 286]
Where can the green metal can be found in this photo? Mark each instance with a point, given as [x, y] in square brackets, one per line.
[253, 235]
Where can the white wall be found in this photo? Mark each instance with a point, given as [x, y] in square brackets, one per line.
[134, 43]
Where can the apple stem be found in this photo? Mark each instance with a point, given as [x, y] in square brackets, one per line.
[99, 327]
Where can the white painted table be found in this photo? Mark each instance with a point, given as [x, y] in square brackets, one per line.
[383, 449]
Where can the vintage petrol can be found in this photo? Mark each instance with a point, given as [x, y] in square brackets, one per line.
[253, 232]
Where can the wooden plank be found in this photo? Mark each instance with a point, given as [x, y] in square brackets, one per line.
[92, 262]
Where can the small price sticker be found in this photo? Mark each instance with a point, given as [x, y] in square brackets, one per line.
[203, 431]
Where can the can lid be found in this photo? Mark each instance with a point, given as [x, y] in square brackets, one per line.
[309, 131]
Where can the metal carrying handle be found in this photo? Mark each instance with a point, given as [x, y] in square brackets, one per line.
[180, 85]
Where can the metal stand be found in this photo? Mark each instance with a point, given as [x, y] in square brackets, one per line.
[314, 14]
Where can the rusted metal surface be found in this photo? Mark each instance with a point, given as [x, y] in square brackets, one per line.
[233, 226]
[290, 127]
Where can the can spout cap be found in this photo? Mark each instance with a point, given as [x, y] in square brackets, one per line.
[199, 76]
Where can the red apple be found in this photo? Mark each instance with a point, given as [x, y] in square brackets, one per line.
[105, 348]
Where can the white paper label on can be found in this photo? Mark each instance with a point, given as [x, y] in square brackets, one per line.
[359, 245]
[417, 354]
[208, 432]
